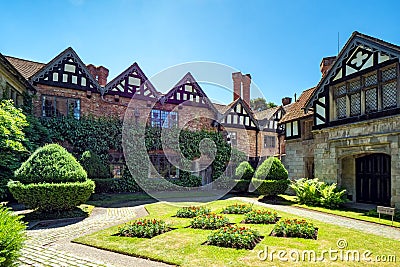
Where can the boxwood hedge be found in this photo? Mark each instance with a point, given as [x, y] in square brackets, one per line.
[51, 197]
[53, 164]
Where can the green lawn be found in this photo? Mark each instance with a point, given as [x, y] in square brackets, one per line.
[183, 246]
[346, 212]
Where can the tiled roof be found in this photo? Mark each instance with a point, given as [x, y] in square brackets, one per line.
[266, 114]
[26, 67]
[221, 108]
[296, 110]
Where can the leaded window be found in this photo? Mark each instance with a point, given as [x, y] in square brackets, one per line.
[269, 141]
[371, 100]
[389, 95]
[341, 107]
[389, 74]
[163, 118]
[370, 80]
[55, 106]
[355, 104]
[370, 93]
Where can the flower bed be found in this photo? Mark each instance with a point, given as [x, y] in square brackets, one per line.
[144, 228]
[295, 228]
[237, 209]
[233, 236]
[190, 212]
[261, 216]
[209, 221]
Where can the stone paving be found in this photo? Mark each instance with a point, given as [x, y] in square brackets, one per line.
[47, 247]
[52, 247]
[366, 227]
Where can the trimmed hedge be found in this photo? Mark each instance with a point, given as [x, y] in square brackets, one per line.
[94, 166]
[241, 185]
[53, 164]
[244, 171]
[12, 236]
[271, 169]
[50, 197]
[272, 187]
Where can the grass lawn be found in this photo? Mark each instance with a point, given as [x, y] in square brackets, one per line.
[183, 246]
[346, 212]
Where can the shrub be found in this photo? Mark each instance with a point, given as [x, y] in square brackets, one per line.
[12, 139]
[241, 185]
[295, 228]
[313, 192]
[51, 163]
[331, 197]
[12, 236]
[261, 216]
[271, 169]
[233, 236]
[272, 177]
[51, 197]
[244, 171]
[190, 212]
[146, 228]
[237, 209]
[272, 187]
[188, 180]
[105, 185]
[94, 166]
[209, 221]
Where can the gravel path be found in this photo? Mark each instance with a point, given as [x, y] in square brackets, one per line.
[366, 227]
[52, 247]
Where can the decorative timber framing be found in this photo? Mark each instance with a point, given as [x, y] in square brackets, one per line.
[239, 115]
[187, 90]
[132, 81]
[341, 94]
[68, 71]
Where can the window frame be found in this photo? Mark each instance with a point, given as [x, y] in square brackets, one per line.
[74, 114]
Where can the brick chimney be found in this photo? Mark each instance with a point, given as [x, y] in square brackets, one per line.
[246, 81]
[237, 85]
[286, 101]
[99, 73]
[241, 86]
[93, 70]
[326, 64]
[102, 74]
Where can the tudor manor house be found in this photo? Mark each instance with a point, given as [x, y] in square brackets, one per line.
[344, 130]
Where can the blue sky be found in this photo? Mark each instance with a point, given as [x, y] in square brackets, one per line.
[280, 43]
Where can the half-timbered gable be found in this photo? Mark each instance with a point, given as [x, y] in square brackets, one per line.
[67, 71]
[361, 84]
[356, 114]
[188, 91]
[239, 115]
[132, 82]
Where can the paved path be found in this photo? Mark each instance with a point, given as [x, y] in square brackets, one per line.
[366, 227]
[52, 247]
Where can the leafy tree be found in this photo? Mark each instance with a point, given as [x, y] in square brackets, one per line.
[94, 165]
[12, 138]
[260, 104]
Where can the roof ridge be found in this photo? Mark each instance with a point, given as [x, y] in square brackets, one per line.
[28, 60]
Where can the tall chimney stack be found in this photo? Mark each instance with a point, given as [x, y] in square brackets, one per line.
[102, 74]
[246, 81]
[326, 64]
[237, 85]
[93, 70]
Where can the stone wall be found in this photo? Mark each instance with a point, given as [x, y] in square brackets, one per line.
[336, 149]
